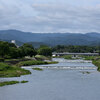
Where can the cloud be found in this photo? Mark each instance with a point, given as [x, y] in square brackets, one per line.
[32, 16]
[69, 18]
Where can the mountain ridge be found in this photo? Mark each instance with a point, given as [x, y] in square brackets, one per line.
[52, 39]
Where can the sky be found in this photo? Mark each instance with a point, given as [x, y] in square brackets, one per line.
[50, 16]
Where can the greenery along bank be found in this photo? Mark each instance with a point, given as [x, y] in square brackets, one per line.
[13, 57]
[8, 70]
[12, 71]
[95, 60]
[10, 50]
[34, 62]
[97, 63]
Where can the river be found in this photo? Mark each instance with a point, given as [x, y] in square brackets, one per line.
[56, 82]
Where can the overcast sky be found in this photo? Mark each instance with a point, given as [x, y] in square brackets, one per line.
[50, 15]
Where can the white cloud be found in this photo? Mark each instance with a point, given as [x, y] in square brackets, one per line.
[34, 16]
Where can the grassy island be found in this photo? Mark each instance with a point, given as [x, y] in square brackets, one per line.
[12, 71]
[8, 83]
[11, 83]
[39, 69]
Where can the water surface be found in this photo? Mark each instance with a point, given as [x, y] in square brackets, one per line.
[56, 84]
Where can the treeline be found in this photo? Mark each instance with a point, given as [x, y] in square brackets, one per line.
[76, 49]
[10, 50]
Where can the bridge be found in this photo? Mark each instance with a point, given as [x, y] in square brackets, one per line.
[74, 54]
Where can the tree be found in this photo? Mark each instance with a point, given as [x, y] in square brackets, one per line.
[28, 50]
[46, 51]
[12, 45]
[14, 53]
[4, 48]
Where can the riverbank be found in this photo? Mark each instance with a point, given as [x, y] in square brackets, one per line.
[97, 63]
[7, 70]
[95, 60]
[12, 67]
[34, 62]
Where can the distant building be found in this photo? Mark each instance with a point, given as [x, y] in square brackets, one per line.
[14, 42]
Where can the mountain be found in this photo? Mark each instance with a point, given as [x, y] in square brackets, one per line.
[51, 39]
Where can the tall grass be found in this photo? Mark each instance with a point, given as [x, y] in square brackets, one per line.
[12, 71]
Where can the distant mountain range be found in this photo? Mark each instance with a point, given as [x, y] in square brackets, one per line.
[50, 39]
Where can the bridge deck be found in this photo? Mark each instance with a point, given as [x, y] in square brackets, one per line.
[90, 54]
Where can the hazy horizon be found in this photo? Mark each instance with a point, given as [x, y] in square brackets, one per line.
[48, 32]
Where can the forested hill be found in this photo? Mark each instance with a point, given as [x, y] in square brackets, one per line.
[50, 38]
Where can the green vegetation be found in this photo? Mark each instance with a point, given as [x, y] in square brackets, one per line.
[10, 50]
[41, 57]
[11, 82]
[4, 48]
[52, 62]
[76, 49]
[1, 59]
[89, 57]
[8, 83]
[13, 57]
[96, 62]
[45, 50]
[34, 62]
[67, 57]
[12, 71]
[31, 62]
[24, 81]
[39, 69]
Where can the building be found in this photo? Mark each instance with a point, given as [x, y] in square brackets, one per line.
[14, 42]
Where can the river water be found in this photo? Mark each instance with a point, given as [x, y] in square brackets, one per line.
[56, 83]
